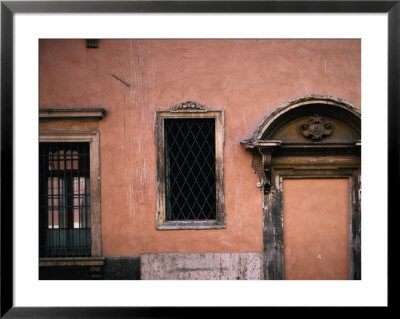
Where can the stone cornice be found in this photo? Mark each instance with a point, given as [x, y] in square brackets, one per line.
[71, 114]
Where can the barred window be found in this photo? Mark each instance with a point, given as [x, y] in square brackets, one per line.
[64, 199]
[190, 172]
[190, 169]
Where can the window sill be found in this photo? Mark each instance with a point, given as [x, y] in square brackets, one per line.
[192, 224]
[71, 261]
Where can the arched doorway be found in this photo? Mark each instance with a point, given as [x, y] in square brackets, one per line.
[307, 155]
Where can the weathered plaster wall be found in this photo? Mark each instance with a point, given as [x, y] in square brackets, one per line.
[316, 244]
[133, 78]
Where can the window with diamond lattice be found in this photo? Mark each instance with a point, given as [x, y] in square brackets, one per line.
[190, 169]
[190, 192]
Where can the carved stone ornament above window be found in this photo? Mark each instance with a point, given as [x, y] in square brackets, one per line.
[188, 105]
[316, 128]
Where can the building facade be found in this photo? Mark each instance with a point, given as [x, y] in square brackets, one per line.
[200, 159]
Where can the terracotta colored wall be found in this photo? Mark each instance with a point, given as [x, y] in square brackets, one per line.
[247, 78]
[316, 222]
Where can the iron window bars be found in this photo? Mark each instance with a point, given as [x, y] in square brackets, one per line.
[64, 200]
[190, 176]
[190, 169]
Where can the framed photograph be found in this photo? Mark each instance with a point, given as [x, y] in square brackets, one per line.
[165, 157]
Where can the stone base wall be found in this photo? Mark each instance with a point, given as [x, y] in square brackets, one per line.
[176, 266]
[201, 266]
[110, 268]
[122, 268]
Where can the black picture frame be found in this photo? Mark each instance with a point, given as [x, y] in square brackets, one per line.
[9, 8]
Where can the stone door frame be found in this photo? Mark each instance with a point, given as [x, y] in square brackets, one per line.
[274, 160]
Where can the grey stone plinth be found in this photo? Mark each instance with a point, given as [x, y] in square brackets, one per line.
[201, 266]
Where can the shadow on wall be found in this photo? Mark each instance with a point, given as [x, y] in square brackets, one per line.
[115, 268]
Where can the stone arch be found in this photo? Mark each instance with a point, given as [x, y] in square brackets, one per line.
[308, 106]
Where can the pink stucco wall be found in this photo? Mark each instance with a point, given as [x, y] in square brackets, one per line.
[316, 244]
[246, 78]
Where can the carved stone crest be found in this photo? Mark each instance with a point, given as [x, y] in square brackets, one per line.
[316, 128]
[188, 106]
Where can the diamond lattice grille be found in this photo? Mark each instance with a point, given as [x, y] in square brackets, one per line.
[190, 169]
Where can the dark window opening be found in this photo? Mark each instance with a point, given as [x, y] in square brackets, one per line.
[190, 169]
[64, 200]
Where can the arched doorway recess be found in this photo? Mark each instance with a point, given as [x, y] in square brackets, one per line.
[310, 148]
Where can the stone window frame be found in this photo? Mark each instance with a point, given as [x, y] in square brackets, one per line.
[186, 110]
[84, 129]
